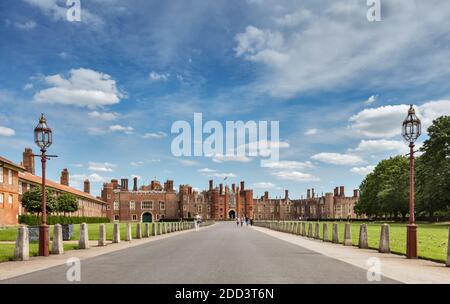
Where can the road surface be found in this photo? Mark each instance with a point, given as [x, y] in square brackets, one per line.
[222, 253]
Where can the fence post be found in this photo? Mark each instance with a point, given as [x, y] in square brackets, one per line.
[116, 233]
[101, 235]
[83, 241]
[22, 249]
[363, 237]
[57, 243]
[384, 239]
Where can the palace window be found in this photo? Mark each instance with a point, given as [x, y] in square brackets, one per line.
[1, 198]
[184, 207]
[10, 177]
[1, 174]
[116, 217]
[199, 208]
[147, 205]
[134, 217]
[116, 205]
[162, 206]
[10, 199]
[132, 205]
[28, 187]
[20, 187]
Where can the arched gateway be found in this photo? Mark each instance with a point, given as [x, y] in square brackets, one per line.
[232, 214]
[147, 217]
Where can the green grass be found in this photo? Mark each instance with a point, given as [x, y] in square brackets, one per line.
[432, 238]
[9, 234]
[7, 250]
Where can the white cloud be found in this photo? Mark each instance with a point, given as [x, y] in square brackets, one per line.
[288, 165]
[154, 135]
[108, 116]
[223, 175]
[295, 176]
[386, 121]
[338, 159]
[206, 170]
[381, 145]
[4, 131]
[154, 76]
[77, 180]
[220, 158]
[362, 170]
[335, 46]
[118, 128]
[311, 132]
[264, 185]
[28, 25]
[101, 167]
[137, 163]
[84, 88]
[187, 162]
[370, 100]
[64, 55]
[28, 86]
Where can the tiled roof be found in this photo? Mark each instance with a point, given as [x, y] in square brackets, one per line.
[26, 176]
[7, 161]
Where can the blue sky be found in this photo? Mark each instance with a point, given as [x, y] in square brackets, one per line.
[113, 84]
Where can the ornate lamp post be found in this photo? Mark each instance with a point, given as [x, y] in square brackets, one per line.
[411, 130]
[43, 138]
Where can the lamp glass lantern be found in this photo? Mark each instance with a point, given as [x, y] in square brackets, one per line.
[43, 134]
[411, 128]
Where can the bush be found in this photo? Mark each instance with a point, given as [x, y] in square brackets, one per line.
[32, 220]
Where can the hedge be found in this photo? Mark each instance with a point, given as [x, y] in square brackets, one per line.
[32, 220]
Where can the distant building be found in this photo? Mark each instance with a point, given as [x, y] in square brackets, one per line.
[17, 179]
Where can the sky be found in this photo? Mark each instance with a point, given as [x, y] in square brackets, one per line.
[113, 84]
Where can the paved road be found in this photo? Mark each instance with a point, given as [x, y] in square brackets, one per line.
[222, 253]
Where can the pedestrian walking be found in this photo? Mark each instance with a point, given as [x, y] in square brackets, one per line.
[242, 222]
[197, 222]
[237, 222]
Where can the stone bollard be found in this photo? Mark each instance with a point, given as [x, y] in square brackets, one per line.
[153, 229]
[57, 243]
[22, 249]
[83, 241]
[116, 233]
[102, 235]
[298, 228]
[303, 229]
[363, 242]
[138, 231]
[335, 234]
[325, 233]
[448, 249]
[310, 230]
[128, 236]
[317, 232]
[384, 239]
[347, 235]
[146, 230]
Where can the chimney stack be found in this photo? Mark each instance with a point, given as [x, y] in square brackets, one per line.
[336, 191]
[266, 195]
[308, 194]
[115, 184]
[28, 160]
[87, 186]
[233, 187]
[242, 186]
[286, 194]
[64, 180]
[210, 185]
[355, 193]
[135, 186]
[313, 195]
[124, 184]
[341, 191]
[220, 189]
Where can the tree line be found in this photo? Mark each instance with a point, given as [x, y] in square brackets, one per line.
[384, 193]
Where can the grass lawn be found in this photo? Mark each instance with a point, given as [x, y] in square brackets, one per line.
[9, 234]
[7, 250]
[432, 238]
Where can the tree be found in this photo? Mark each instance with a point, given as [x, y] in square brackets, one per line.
[32, 201]
[67, 203]
[433, 169]
[384, 192]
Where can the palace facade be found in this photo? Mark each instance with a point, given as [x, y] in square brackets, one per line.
[155, 202]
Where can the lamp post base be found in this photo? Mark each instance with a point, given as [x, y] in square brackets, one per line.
[411, 241]
[43, 240]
